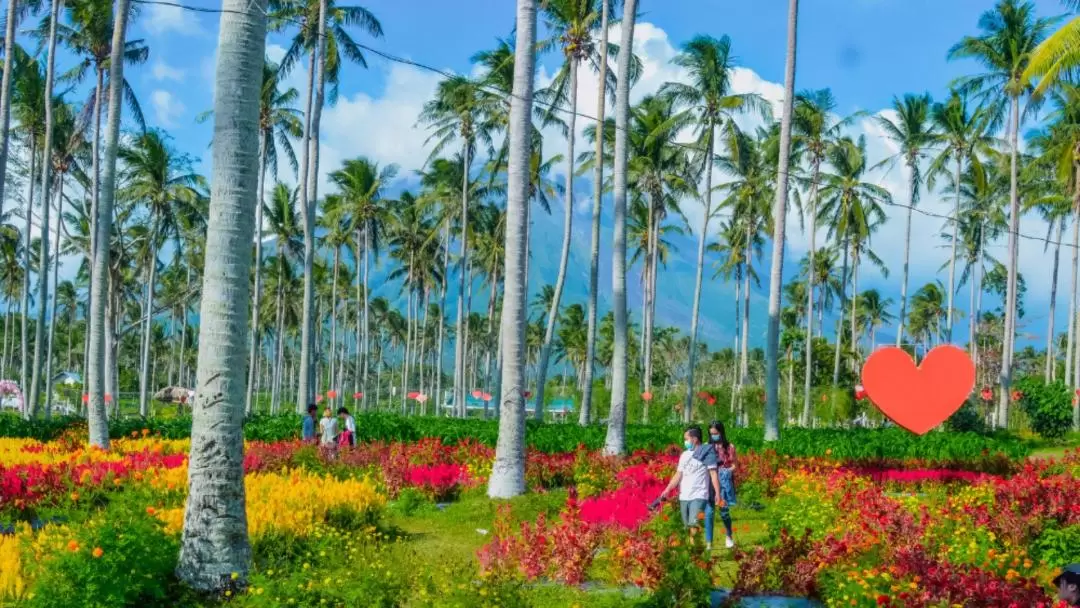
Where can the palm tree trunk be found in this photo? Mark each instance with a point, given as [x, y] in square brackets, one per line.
[408, 339]
[508, 471]
[490, 328]
[46, 165]
[279, 356]
[594, 258]
[952, 255]
[423, 345]
[1050, 358]
[980, 255]
[56, 292]
[744, 343]
[615, 442]
[24, 358]
[564, 257]
[308, 179]
[333, 317]
[772, 342]
[462, 313]
[907, 254]
[5, 95]
[650, 282]
[215, 538]
[855, 309]
[99, 288]
[148, 310]
[1010, 291]
[840, 321]
[735, 376]
[253, 354]
[692, 356]
[1071, 335]
[804, 419]
[442, 319]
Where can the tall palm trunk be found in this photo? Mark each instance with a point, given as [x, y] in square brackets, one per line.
[914, 185]
[408, 342]
[332, 384]
[215, 537]
[772, 343]
[855, 308]
[279, 355]
[148, 311]
[615, 442]
[508, 471]
[735, 352]
[840, 321]
[744, 343]
[52, 313]
[1050, 372]
[462, 313]
[808, 402]
[1071, 336]
[442, 319]
[1010, 291]
[253, 354]
[99, 287]
[183, 332]
[692, 356]
[564, 257]
[46, 165]
[594, 258]
[24, 357]
[422, 330]
[308, 185]
[952, 255]
[5, 94]
[647, 315]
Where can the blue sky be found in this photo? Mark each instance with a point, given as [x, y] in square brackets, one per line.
[867, 51]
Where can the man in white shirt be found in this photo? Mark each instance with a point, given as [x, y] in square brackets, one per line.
[696, 470]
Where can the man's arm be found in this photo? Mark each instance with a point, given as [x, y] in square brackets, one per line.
[715, 484]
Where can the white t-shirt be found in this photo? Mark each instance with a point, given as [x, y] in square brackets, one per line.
[694, 484]
[350, 424]
[328, 426]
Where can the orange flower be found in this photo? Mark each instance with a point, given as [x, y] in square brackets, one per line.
[97, 552]
[150, 510]
[73, 546]
[74, 496]
[145, 432]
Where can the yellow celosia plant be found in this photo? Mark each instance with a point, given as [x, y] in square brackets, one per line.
[292, 501]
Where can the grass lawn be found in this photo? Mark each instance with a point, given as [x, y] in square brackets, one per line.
[452, 535]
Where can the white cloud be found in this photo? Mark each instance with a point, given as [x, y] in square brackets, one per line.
[167, 108]
[163, 71]
[163, 18]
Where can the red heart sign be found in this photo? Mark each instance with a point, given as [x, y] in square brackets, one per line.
[919, 398]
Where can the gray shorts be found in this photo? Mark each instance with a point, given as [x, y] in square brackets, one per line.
[692, 511]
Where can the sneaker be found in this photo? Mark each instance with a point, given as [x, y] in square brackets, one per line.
[729, 542]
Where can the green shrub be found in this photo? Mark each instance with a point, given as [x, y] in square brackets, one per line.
[1058, 546]
[1048, 406]
[967, 419]
[133, 568]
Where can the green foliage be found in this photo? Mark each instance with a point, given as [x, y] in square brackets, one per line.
[134, 568]
[1058, 546]
[687, 582]
[850, 444]
[967, 419]
[1048, 406]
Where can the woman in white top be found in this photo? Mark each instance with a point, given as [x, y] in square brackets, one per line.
[328, 430]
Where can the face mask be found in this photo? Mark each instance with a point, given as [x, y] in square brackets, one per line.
[688, 444]
[715, 437]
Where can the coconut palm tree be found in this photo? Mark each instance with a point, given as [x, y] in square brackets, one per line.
[10, 20]
[1056, 56]
[570, 24]
[162, 180]
[46, 168]
[1010, 34]
[928, 314]
[852, 210]
[215, 539]
[615, 442]
[461, 110]
[362, 184]
[708, 99]
[278, 122]
[323, 35]
[779, 213]
[873, 313]
[283, 224]
[962, 131]
[508, 471]
[914, 132]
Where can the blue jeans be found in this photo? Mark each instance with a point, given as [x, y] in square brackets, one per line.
[727, 492]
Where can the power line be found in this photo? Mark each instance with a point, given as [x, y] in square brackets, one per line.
[549, 105]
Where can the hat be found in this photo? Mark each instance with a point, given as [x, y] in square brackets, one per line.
[1071, 573]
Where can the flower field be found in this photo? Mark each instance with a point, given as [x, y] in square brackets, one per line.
[406, 523]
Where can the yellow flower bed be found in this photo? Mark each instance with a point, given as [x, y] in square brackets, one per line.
[29, 451]
[293, 501]
[12, 581]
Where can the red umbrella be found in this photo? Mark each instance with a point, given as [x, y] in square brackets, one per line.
[331, 394]
[477, 394]
[413, 395]
[358, 395]
[647, 396]
[485, 396]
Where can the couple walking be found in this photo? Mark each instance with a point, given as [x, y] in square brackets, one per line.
[705, 478]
